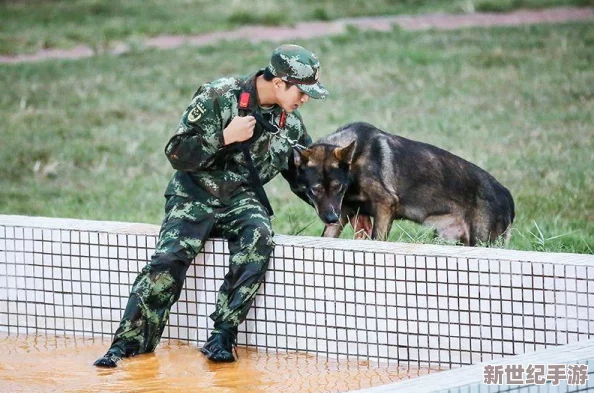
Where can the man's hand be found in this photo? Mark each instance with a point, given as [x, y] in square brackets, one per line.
[240, 129]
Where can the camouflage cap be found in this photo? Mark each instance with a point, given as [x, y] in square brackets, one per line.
[297, 65]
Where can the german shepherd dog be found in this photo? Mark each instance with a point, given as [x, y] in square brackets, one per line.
[361, 171]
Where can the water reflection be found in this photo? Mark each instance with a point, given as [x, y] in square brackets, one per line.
[30, 363]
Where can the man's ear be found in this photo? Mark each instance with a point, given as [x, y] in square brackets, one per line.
[300, 156]
[277, 82]
[346, 153]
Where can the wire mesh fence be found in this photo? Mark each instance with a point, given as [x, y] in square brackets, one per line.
[384, 302]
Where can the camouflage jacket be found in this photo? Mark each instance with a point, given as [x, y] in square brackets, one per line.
[197, 151]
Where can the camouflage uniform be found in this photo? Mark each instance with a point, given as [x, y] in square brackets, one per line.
[210, 195]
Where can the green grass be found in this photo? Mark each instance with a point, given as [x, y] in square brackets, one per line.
[85, 139]
[28, 26]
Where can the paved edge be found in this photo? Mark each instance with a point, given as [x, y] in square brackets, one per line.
[307, 30]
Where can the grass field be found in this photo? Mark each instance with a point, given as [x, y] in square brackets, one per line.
[28, 26]
[85, 138]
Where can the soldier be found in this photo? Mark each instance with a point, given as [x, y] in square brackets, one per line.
[236, 134]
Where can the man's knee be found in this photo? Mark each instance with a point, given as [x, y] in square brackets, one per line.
[253, 246]
[174, 263]
[160, 282]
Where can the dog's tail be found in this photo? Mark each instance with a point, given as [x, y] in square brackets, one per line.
[507, 232]
[504, 224]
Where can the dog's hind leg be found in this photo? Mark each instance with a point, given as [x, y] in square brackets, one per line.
[507, 234]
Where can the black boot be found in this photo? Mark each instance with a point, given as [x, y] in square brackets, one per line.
[109, 360]
[219, 347]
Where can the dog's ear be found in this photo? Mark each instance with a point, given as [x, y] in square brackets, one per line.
[301, 156]
[346, 153]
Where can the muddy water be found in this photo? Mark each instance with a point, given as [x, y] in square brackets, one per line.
[30, 363]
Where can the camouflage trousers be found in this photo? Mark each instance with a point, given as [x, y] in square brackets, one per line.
[187, 224]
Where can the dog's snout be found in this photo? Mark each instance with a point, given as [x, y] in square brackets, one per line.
[330, 217]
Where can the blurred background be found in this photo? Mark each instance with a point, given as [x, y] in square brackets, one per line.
[84, 138]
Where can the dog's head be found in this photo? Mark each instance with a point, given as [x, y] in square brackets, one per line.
[323, 174]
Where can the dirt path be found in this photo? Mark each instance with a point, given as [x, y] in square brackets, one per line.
[317, 29]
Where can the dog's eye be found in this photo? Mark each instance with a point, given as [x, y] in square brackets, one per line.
[336, 186]
[317, 189]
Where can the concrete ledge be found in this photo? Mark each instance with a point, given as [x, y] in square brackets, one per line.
[484, 253]
[377, 301]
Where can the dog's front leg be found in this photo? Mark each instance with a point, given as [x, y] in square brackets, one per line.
[362, 226]
[382, 224]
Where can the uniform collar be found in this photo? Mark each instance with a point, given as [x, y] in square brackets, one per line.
[249, 87]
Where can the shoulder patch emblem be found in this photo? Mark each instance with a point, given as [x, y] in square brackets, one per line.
[244, 100]
[283, 119]
[196, 113]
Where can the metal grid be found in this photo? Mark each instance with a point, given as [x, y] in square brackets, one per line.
[330, 298]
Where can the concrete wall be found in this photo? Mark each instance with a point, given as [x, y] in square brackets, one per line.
[371, 300]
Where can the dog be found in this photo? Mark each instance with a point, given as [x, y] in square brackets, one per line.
[360, 172]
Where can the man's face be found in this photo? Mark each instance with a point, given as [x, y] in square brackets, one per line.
[291, 98]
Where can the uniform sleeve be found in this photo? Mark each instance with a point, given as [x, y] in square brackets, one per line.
[199, 135]
[305, 139]
[290, 174]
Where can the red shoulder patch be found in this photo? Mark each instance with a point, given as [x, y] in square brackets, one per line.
[283, 119]
[244, 100]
